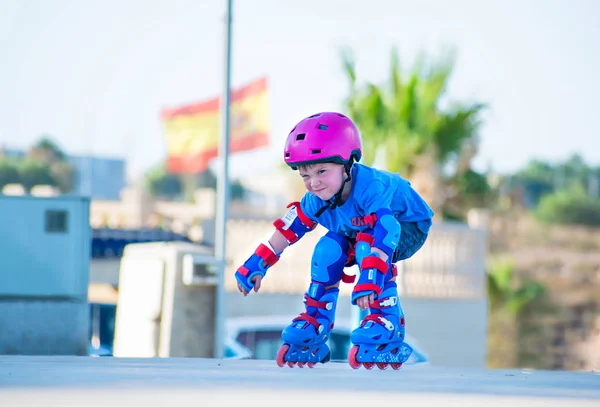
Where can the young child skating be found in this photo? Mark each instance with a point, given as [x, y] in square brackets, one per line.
[373, 219]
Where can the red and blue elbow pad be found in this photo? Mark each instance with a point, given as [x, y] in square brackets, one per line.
[294, 224]
[383, 234]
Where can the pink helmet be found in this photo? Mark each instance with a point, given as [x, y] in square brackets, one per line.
[323, 137]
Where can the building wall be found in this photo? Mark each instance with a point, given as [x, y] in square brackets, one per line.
[43, 326]
[44, 264]
[99, 177]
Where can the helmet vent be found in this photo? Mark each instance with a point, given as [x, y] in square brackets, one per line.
[314, 115]
[322, 127]
[316, 151]
[301, 136]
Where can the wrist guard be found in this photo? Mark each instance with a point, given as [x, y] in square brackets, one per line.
[260, 261]
[372, 277]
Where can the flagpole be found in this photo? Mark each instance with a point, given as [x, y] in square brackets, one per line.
[222, 207]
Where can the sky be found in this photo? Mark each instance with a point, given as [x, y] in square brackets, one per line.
[96, 74]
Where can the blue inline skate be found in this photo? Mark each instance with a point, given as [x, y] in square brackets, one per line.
[305, 339]
[379, 340]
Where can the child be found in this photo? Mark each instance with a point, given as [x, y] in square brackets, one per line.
[374, 219]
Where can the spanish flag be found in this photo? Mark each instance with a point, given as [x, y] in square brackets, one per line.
[192, 131]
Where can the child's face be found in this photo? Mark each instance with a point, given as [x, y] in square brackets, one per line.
[324, 180]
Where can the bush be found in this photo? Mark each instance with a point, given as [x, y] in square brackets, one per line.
[569, 207]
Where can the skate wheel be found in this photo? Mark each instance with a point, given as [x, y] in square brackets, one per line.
[291, 364]
[369, 365]
[354, 364]
[396, 366]
[311, 364]
[301, 364]
[382, 365]
[280, 358]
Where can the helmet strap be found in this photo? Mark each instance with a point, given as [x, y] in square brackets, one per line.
[337, 198]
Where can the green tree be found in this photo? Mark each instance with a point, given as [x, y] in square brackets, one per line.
[47, 152]
[237, 191]
[9, 173]
[536, 180]
[159, 182]
[403, 123]
[540, 179]
[470, 190]
[63, 175]
[32, 173]
[574, 171]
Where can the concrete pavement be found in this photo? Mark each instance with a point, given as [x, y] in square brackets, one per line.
[66, 380]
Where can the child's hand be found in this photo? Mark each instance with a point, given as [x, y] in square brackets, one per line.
[255, 280]
[364, 302]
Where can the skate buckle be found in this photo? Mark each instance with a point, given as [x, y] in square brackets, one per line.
[387, 324]
[389, 302]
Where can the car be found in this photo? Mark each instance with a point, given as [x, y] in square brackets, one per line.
[99, 350]
[101, 329]
[260, 338]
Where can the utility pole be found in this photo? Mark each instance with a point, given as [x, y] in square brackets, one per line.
[222, 207]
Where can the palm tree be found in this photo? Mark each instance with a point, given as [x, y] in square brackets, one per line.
[403, 124]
